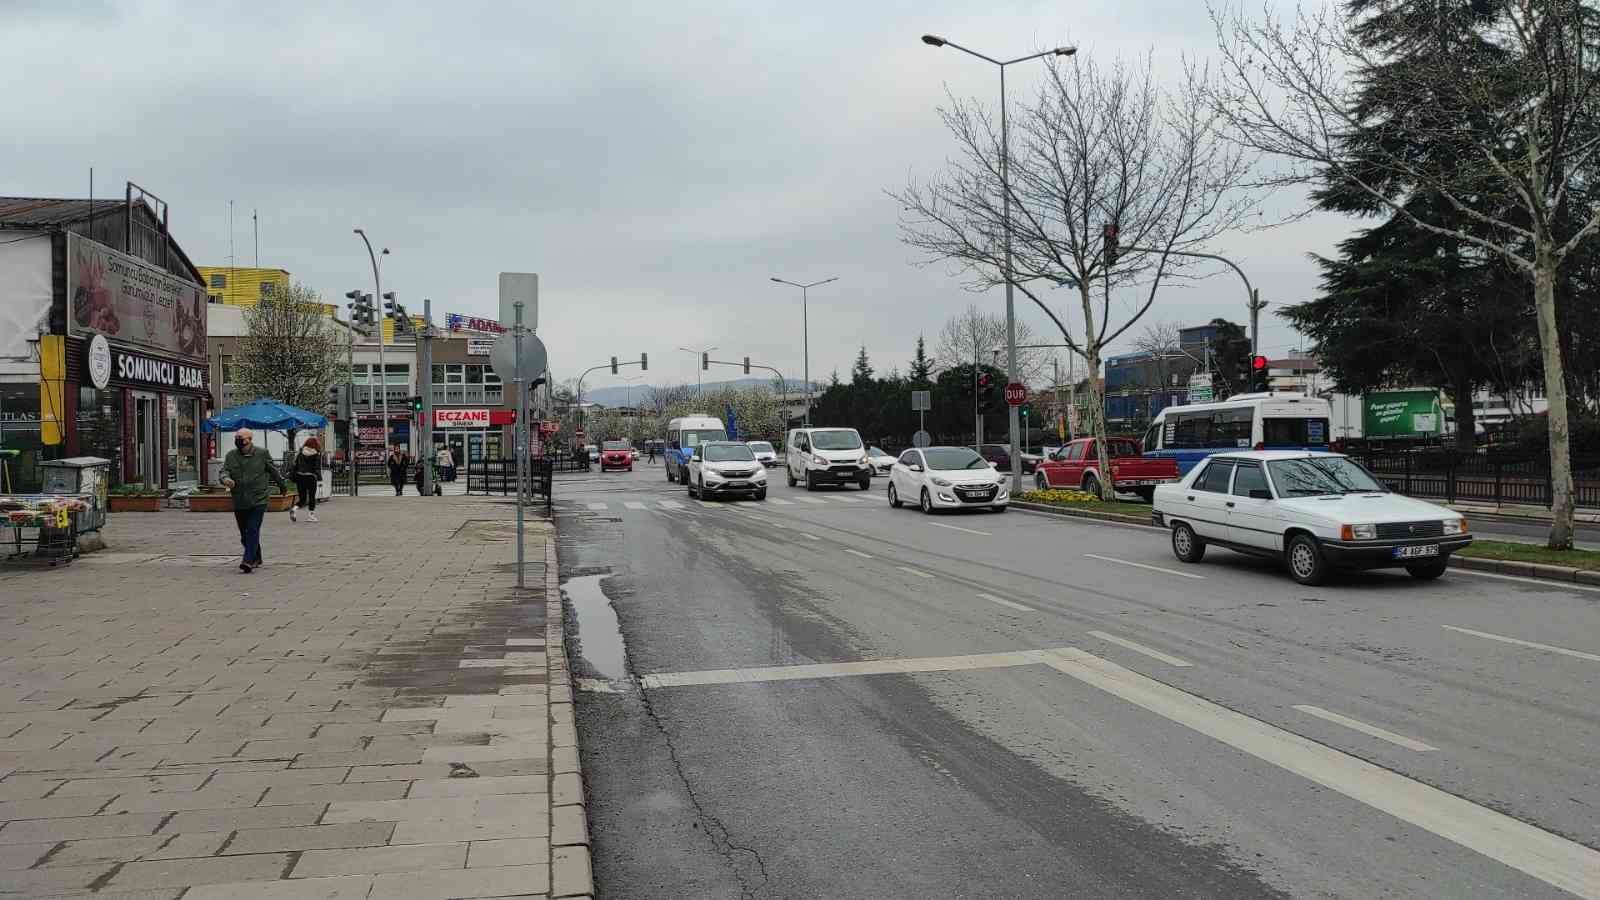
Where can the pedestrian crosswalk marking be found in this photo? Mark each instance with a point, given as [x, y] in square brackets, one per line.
[671, 504]
[781, 502]
[597, 506]
[633, 504]
[812, 500]
[850, 499]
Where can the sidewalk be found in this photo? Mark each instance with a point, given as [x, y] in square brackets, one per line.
[374, 713]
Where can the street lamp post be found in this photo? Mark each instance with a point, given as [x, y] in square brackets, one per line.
[1005, 191]
[383, 370]
[699, 385]
[805, 332]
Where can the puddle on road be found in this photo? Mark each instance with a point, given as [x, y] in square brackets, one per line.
[599, 635]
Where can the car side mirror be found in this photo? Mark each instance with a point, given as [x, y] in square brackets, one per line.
[994, 465]
[915, 467]
[1260, 494]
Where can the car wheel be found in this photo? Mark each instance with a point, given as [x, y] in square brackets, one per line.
[1039, 482]
[1428, 570]
[670, 478]
[1186, 545]
[1091, 484]
[894, 497]
[866, 483]
[1305, 561]
[789, 474]
[811, 483]
[761, 494]
[927, 503]
[688, 487]
[700, 488]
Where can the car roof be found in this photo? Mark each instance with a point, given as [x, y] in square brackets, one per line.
[1277, 454]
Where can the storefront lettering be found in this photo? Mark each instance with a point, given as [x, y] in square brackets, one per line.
[145, 370]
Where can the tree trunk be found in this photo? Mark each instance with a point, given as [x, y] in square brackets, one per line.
[1466, 416]
[1555, 386]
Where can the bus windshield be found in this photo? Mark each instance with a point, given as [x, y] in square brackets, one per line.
[836, 439]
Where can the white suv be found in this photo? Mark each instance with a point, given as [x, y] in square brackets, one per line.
[725, 468]
[817, 456]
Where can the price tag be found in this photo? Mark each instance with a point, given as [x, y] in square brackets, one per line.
[62, 518]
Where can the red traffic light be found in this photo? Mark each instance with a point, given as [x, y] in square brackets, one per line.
[1258, 362]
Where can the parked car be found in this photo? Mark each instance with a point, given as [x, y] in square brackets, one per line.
[1317, 512]
[1077, 465]
[594, 452]
[764, 452]
[1000, 456]
[880, 460]
[935, 478]
[818, 456]
[616, 455]
[723, 468]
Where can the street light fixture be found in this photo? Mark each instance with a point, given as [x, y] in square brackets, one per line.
[383, 370]
[933, 40]
[699, 385]
[805, 332]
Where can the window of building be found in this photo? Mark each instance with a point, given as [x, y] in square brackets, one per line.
[227, 370]
[474, 374]
[397, 373]
[268, 288]
[214, 298]
[454, 373]
[100, 427]
[219, 281]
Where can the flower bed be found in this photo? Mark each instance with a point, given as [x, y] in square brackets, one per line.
[1057, 495]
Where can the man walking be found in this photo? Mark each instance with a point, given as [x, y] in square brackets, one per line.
[246, 472]
[398, 464]
[447, 463]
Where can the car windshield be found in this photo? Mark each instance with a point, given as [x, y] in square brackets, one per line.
[728, 453]
[616, 445]
[1317, 476]
[696, 438]
[946, 459]
[876, 451]
[760, 447]
[836, 439]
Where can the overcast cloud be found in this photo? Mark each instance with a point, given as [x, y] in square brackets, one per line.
[654, 162]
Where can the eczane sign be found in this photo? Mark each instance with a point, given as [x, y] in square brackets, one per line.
[461, 418]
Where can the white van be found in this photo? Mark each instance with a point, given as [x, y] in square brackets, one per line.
[683, 435]
[817, 456]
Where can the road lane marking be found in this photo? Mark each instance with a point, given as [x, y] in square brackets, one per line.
[596, 686]
[917, 572]
[633, 504]
[959, 528]
[1537, 582]
[1124, 562]
[850, 499]
[857, 553]
[901, 666]
[1555, 860]
[1006, 603]
[813, 500]
[671, 504]
[708, 504]
[1358, 725]
[1522, 643]
[1140, 648]
[809, 537]
[597, 506]
[781, 502]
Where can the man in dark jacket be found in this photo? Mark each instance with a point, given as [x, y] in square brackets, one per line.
[399, 463]
[245, 472]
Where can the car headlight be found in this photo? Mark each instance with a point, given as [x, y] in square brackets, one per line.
[863, 461]
[713, 475]
[1359, 532]
[818, 460]
[941, 482]
[1455, 526]
[761, 475]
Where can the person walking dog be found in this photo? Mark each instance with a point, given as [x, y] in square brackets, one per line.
[307, 474]
[246, 472]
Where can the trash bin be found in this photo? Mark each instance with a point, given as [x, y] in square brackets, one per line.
[87, 477]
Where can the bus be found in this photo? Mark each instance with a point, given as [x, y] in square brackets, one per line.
[1275, 421]
[683, 435]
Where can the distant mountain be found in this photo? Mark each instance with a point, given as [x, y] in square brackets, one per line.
[617, 395]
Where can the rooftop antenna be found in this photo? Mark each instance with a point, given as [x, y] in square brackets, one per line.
[255, 223]
[232, 261]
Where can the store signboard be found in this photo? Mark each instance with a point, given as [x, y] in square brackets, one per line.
[480, 346]
[459, 322]
[473, 418]
[128, 368]
[131, 301]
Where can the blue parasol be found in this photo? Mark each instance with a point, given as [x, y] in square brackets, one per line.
[266, 414]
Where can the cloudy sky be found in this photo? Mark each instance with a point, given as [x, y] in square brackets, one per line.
[655, 162]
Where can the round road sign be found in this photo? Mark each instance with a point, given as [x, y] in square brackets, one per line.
[503, 357]
[1016, 393]
[921, 438]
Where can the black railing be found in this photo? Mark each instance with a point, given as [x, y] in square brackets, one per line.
[499, 476]
[1473, 478]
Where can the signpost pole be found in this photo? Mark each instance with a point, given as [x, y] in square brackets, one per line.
[522, 440]
[425, 381]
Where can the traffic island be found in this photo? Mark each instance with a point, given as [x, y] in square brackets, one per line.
[1530, 561]
[1081, 505]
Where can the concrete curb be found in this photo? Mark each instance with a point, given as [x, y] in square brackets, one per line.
[571, 869]
[1534, 514]
[1500, 566]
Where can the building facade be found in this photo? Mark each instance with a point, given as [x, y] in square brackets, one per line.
[242, 286]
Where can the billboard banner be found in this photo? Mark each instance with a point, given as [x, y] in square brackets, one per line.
[26, 295]
[131, 301]
[1401, 414]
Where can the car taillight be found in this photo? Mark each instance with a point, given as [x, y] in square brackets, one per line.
[1260, 445]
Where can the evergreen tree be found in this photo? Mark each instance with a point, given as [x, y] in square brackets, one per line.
[921, 367]
[861, 372]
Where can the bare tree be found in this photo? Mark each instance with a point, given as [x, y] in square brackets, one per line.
[1159, 341]
[291, 350]
[1098, 147]
[973, 335]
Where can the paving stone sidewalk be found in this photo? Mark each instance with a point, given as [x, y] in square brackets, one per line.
[374, 713]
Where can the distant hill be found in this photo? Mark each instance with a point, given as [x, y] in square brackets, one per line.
[617, 395]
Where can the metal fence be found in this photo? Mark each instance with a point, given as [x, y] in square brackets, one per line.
[1488, 478]
[499, 476]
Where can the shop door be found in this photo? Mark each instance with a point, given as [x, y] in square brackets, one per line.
[458, 448]
[475, 446]
[148, 424]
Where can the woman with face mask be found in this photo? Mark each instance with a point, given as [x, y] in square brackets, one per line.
[307, 474]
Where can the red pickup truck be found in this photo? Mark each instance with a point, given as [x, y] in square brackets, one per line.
[1077, 465]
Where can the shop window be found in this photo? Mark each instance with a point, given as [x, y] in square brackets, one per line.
[20, 419]
[100, 427]
[219, 281]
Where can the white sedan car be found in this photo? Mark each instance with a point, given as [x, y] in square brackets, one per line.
[1318, 512]
[937, 478]
[764, 452]
[880, 461]
[725, 468]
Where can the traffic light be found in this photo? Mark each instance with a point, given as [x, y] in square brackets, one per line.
[644, 362]
[705, 361]
[983, 380]
[1259, 382]
[613, 365]
[390, 306]
[1110, 233]
[747, 365]
[416, 404]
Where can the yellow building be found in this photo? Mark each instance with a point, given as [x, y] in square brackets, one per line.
[242, 286]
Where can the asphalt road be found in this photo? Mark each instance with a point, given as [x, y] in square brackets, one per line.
[836, 699]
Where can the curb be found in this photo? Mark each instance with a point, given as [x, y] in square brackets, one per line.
[1499, 566]
[1533, 515]
[571, 868]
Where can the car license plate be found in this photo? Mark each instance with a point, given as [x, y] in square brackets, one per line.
[736, 484]
[1416, 552]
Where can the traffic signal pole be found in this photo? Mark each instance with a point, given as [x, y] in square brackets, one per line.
[425, 383]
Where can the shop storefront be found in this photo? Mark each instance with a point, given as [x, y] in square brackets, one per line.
[139, 410]
[472, 435]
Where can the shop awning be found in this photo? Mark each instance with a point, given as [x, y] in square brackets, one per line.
[266, 414]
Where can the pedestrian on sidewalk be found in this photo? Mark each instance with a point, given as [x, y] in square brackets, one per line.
[447, 463]
[307, 474]
[650, 448]
[398, 466]
[246, 472]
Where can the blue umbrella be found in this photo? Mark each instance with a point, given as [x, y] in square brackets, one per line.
[266, 414]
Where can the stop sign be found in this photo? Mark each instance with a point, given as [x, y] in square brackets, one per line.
[1016, 393]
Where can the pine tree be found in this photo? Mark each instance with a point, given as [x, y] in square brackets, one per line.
[921, 367]
[861, 372]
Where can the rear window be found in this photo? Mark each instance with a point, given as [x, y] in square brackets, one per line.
[1294, 433]
[617, 445]
[761, 446]
[1123, 449]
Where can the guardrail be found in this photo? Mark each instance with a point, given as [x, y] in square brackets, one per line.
[1488, 478]
[499, 476]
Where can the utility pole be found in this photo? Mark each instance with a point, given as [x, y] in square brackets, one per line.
[522, 437]
[425, 384]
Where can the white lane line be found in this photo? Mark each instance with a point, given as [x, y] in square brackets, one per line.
[1358, 725]
[959, 528]
[1538, 582]
[857, 553]
[633, 504]
[1006, 603]
[781, 502]
[671, 504]
[1140, 648]
[814, 501]
[1124, 562]
[917, 572]
[1522, 643]
[841, 670]
[1555, 860]
[850, 499]
[809, 537]
[708, 504]
[597, 506]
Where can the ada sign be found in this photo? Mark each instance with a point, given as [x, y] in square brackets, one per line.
[99, 362]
